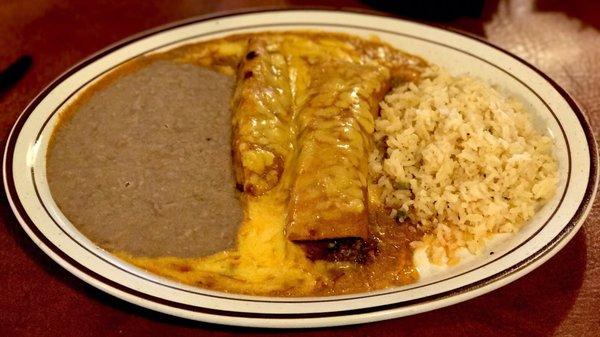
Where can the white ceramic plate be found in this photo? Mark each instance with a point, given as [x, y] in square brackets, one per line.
[507, 260]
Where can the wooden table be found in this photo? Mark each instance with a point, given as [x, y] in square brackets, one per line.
[39, 298]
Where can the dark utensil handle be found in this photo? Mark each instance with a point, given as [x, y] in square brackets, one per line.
[14, 72]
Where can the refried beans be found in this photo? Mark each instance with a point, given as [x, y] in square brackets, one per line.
[143, 165]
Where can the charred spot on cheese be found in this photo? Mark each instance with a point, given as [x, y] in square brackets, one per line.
[251, 55]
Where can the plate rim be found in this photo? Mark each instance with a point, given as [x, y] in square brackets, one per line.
[470, 290]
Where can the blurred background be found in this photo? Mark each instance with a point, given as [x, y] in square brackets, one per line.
[561, 37]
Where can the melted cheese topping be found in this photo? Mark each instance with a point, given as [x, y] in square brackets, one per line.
[265, 262]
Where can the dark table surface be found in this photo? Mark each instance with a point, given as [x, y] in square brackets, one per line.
[39, 298]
